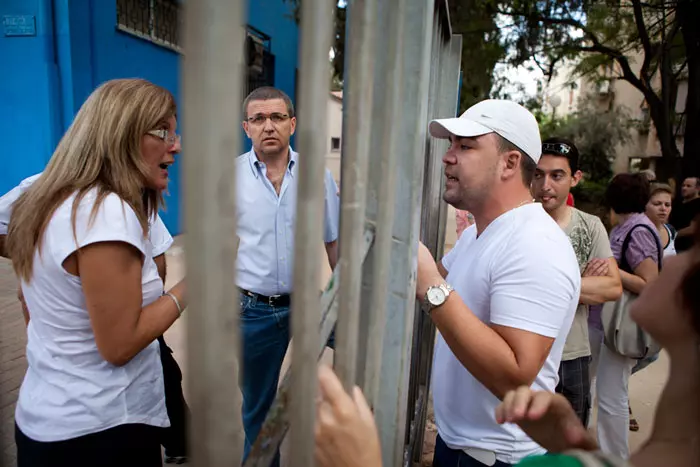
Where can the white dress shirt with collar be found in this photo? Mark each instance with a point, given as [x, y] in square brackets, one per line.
[266, 224]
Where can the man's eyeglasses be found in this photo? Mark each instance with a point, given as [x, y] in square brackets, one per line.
[165, 135]
[557, 148]
[276, 118]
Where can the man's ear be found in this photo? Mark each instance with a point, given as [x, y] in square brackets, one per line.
[244, 124]
[576, 178]
[512, 159]
[293, 122]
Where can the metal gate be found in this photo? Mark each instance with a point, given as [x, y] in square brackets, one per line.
[402, 69]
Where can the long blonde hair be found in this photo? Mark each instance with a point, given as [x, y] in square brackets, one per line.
[101, 150]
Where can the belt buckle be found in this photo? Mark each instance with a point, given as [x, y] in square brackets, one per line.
[273, 299]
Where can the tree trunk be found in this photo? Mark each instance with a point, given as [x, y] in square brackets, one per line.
[660, 113]
[689, 12]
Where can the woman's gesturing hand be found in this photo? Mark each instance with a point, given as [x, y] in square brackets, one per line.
[547, 418]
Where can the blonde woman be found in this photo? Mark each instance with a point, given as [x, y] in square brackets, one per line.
[78, 242]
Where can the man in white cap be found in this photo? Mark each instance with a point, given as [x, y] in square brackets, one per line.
[504, 298]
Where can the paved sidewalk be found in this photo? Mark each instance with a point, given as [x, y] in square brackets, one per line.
[12, 361]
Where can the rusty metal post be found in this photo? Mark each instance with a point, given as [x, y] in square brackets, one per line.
[212, 76]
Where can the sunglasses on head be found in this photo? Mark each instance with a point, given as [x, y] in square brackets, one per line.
[558, 148]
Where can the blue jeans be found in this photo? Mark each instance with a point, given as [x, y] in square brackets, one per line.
[265, 334]
[446, 457]
[265, 331]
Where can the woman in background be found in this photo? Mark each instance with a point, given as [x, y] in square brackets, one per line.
[658, 210]
[627, 196]
[463, 219]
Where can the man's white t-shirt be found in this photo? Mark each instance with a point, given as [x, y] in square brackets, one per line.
[69, 389]
[158, 234]
[521, 272]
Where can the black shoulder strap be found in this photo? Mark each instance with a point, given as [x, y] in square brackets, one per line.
[671, 231]
[624, 265]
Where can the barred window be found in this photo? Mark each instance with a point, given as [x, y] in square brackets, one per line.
[260, 62]
[156, 20]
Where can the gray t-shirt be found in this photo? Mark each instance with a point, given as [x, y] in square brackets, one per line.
[590, 240]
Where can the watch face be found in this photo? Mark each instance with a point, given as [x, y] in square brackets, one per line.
[436, 296]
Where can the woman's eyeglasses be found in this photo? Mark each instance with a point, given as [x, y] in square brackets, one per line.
[165, 135]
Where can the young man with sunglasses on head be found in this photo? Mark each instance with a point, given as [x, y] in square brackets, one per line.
[267, 178]
[556, 174]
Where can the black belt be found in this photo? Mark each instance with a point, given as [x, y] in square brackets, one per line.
[274, 300]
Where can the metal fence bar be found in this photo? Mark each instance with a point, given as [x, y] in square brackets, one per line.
[424, 334]
[446, 104]
[316, 26]
[357, 98]
[393, 414]
[423, 326]
[212, 85]
[414, 69]
[277, 419]
[450, 106]
[380, 85]
[387, 153]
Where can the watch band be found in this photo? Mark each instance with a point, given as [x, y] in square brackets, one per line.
[445, 287]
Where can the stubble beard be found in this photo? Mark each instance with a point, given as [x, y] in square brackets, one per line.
[465, 199]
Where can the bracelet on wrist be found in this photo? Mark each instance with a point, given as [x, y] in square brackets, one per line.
[176, 301]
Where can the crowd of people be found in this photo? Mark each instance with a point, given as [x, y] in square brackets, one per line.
[524, 302]
[542, 417]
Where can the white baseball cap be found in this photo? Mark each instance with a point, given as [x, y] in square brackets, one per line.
[508, 119]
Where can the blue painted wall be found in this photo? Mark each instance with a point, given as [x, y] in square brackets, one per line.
[28, 94]
[77, 46]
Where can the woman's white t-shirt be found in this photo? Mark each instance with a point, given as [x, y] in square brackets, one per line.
[69, 390]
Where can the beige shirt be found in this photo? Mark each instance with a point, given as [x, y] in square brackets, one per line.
[590, 240]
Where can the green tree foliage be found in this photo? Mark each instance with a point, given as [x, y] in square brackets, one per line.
[651, 44]
[595, 134]
[482, 48]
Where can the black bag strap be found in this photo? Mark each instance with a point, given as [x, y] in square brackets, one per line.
[671, 231]
[624, 265]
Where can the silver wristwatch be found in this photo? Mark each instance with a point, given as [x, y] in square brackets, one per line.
[436, 296]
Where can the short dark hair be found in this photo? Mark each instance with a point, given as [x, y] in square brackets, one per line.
[697, 180]
[627, 193]
[267, 93]
[549, 147]
[527, 165]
